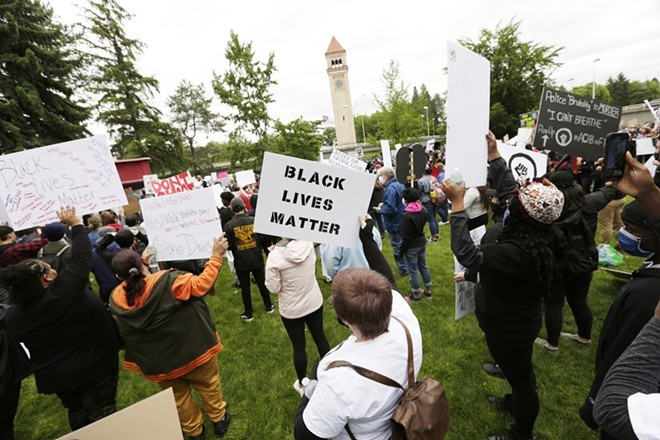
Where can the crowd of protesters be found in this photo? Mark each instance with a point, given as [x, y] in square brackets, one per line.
[539, 250]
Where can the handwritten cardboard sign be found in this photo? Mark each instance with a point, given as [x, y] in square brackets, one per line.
[343, 160]
[182, 225]
[172, 185]
[35, 183]
[468, 110]
[573, 124]
[154, 418]
[311, 201]
[523, 162]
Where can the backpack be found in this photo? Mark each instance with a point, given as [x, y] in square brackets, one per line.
[422, 412]
[54, 260]
[437, 195]
[582, 251]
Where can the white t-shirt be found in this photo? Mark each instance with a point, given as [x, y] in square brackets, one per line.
[643, 413]
[342, 394]
[472, 203]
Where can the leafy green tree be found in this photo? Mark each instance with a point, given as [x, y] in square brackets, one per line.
[38, 69]
[191, 114]
[237, 151]
[298, 138]
[207, 156]
[619, 89]
[398, 121]
[245, 88]
[602, 92]
[518, 71]
[329, 136]
[123, 94]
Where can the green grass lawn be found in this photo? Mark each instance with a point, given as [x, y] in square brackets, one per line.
[256, 365]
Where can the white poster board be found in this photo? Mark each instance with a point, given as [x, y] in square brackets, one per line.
[343, 160]
[645, 146]
[429, 145]
[182, 225]
[154, 418]
[465, 290]
[217, 190]
[397, 147]
[35, 183]
[524, 136]
[523, 162]
[311, 201]
[468, 107]
[147, 179]
[651, 166]
[244, 178]
[359, 152]
[385, 151]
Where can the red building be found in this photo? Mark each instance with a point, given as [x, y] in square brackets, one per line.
[131, 171]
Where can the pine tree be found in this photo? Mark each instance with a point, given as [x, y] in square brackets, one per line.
[38, 68]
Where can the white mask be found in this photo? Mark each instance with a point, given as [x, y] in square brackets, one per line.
[382, 180]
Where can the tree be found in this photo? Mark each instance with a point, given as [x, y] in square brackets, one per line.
[38, 69]
[237, 151]
[191, 114]
[329, 136]
[122, 92]
[398, 122]
[298, 138]
[619, 89]
[518, 71]
[602, 93]
[245, 88]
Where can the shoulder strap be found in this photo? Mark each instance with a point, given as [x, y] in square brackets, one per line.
[411, 366]
[63, 250]
[369, 374]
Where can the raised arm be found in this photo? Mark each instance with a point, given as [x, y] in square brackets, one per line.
[189, 285]
[76, 273]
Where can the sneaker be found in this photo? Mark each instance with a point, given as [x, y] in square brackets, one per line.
[270, 309]
[298, 387]
[576, 338]
[412, 298]
[220, 427]
[427, 292]
[403, 274]
[493, 370]
[201, 436]
[546, 346]
[511, 435]
[443, 223]
[328, 279]
[501, 403]
[247, 317]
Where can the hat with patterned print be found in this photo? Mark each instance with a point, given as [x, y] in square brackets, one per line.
[541, 201]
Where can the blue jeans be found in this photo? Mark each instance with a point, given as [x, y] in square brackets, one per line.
[443, 210]
[416, 261]
[396, 238]
[433, 220]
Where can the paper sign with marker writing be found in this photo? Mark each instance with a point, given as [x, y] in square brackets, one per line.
[468, 107]
[182, 225]
[147, 179]
[430, 144]
[311, 201]
[35, 183]
[386, 152]
[244, 178]
[343, 160]
[172, 185]
[465, 290]
[523, 162]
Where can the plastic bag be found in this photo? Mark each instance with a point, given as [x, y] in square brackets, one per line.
[608, 256]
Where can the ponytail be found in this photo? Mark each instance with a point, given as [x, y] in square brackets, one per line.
[134, 285]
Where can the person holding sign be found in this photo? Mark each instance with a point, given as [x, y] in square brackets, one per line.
[170, 336]
[515, 273]
[392, 211]
[66, 328]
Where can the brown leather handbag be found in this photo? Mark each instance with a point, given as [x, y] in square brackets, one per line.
[422, 412]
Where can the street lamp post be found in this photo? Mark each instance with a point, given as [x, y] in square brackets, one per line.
[570, 80]
[428, 130]
[364, 136]
[593, 83]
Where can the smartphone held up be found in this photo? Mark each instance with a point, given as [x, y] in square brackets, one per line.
[616, 146]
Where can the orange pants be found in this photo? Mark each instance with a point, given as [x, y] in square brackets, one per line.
[206, 380]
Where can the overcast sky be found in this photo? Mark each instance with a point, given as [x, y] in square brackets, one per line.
[186, 40]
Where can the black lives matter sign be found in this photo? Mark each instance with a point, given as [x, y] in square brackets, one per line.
[575, 125]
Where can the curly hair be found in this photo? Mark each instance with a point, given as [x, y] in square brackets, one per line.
[24, 282]
[543, 243]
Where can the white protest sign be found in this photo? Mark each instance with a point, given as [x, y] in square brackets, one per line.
[465, 290]
[154, 418]
[343, 160]
[429, 145]
[217, 190]
[468, 103]
[147, 179]
[244, 178]
[397, 147]
[171, 185]
[651, 166]
[385, 151]
[311, 201]
[523, 162]
[645, 146]
[35, 183]
[182, 225]
[359, 152]
[524, 136]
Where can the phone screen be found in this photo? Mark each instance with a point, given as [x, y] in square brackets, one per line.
[616, 154]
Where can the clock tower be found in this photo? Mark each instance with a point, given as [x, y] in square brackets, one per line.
[342, 107]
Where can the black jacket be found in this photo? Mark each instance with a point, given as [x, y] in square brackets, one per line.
[243, 242]
[69, 333]
[14, 365]
[412, 229]
[502, 181]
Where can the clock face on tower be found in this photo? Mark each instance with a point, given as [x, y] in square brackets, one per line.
[339, 84]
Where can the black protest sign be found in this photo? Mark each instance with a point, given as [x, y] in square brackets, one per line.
[575, 125]
[410, 163]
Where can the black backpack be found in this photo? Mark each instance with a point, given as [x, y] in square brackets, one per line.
[54, 260]
[582, 251]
